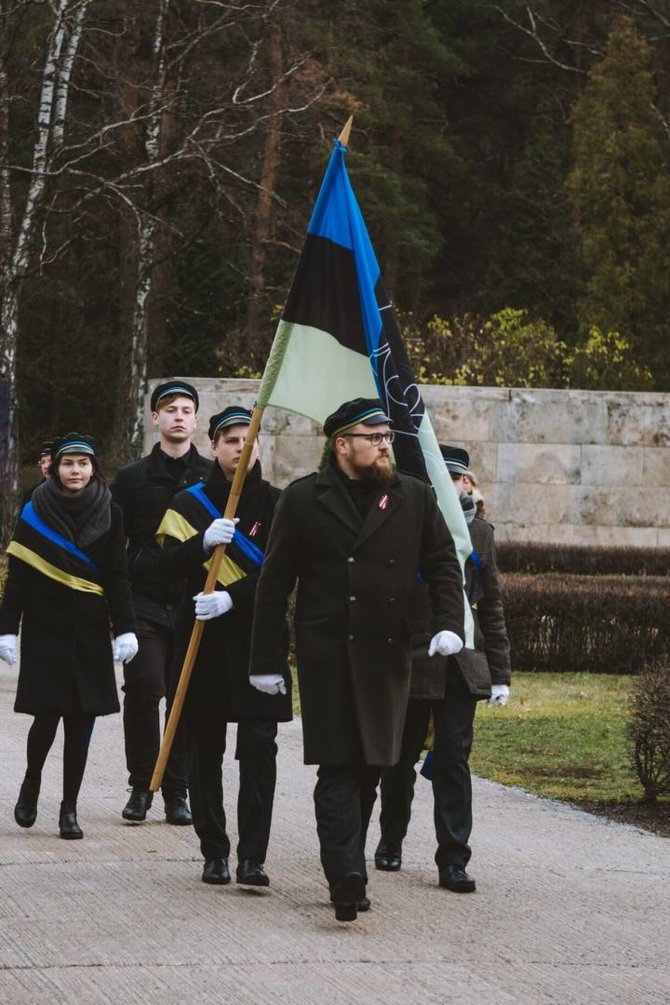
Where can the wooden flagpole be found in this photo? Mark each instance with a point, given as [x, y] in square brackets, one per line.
[198, 626]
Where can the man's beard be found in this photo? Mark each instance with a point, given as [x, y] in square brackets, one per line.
[380, 472]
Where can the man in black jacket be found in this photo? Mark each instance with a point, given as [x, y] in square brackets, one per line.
[144, 491]
[219, 691]
[450, 696]
[359, 538]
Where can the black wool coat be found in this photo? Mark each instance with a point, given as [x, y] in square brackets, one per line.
[144, 490]
[66, 650]
[219, 686]
[358, 584]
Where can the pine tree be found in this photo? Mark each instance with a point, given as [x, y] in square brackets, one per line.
[620, 193]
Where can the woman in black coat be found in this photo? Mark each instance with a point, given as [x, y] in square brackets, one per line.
[67, 580]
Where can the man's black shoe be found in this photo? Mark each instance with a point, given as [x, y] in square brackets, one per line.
[346, 895]
[364, 904]
[215, 870]
[136, 808]
[251, 874]
[388, 858]
[456, 879]
[177, 812]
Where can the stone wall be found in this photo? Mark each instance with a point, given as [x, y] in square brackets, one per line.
[574, 467]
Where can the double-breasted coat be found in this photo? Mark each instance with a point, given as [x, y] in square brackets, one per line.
[358, 582]
[219, 686]
[66, 651]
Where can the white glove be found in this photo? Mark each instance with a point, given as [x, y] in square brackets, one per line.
[269, 683]
[124, 647]
[499, 694]
[219, 532]
[8, 649]
[445, 643]
[212, 605]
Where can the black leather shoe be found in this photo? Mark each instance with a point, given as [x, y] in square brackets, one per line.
[346, 895]
[136, 808]
[456, 879]
[25, 811]
[177, 811]
[215, 870]
[364, 904]
[67, 822]
[251, 874]
[388, 858]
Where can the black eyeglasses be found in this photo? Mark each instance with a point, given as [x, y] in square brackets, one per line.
[376, 439]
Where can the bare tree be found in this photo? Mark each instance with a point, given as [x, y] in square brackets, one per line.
[18, 239]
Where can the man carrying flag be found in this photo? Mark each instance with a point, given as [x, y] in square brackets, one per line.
[364, 543]
[219, 690]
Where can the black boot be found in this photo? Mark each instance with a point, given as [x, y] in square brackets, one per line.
[69, 828]
[25, 811]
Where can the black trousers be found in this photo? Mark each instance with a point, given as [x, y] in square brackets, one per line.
[343, 799]
[205, 743]
[453, 718]
[146, 682]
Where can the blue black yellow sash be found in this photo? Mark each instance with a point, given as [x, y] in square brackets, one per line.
[44, 549]
[192, 511]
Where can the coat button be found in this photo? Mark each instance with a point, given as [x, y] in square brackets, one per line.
[391, 561]
[352, 600]
[351, 638]
[351, 560]
[390, 641]
[391, 600]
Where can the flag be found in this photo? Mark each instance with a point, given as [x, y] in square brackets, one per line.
[338, 339]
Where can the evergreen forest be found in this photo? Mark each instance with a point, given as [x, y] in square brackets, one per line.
[159, 162]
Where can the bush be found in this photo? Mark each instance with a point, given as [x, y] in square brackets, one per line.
[530, 557]
[591, 624]
[649, 728]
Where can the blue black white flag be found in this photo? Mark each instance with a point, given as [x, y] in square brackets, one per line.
[338, 339]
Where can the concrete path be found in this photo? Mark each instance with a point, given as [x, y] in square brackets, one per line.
[569, 907]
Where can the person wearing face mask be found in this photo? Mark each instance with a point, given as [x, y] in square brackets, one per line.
[219, 691]
[451, 700]
[67, 580]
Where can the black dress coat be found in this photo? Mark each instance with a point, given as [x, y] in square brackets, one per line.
[144, 490]
[66, 651]
[356, 603]
[219, 686]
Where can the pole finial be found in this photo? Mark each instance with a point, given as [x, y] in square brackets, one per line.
[344, 135]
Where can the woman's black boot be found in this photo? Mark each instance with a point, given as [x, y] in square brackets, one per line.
[25, 811]
[69, 828]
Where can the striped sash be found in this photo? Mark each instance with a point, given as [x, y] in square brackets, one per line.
[44, 549]
[191, 512]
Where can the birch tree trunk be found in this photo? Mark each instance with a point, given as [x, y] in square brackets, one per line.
[19, 243]
[129, 418]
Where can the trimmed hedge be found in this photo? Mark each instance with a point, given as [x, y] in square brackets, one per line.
[515, 556]
[596, 624]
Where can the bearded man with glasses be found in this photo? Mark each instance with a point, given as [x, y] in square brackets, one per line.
[364, 542]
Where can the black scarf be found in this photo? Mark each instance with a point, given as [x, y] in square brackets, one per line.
[81, 518]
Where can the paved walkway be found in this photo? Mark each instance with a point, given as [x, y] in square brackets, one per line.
[569, 908]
